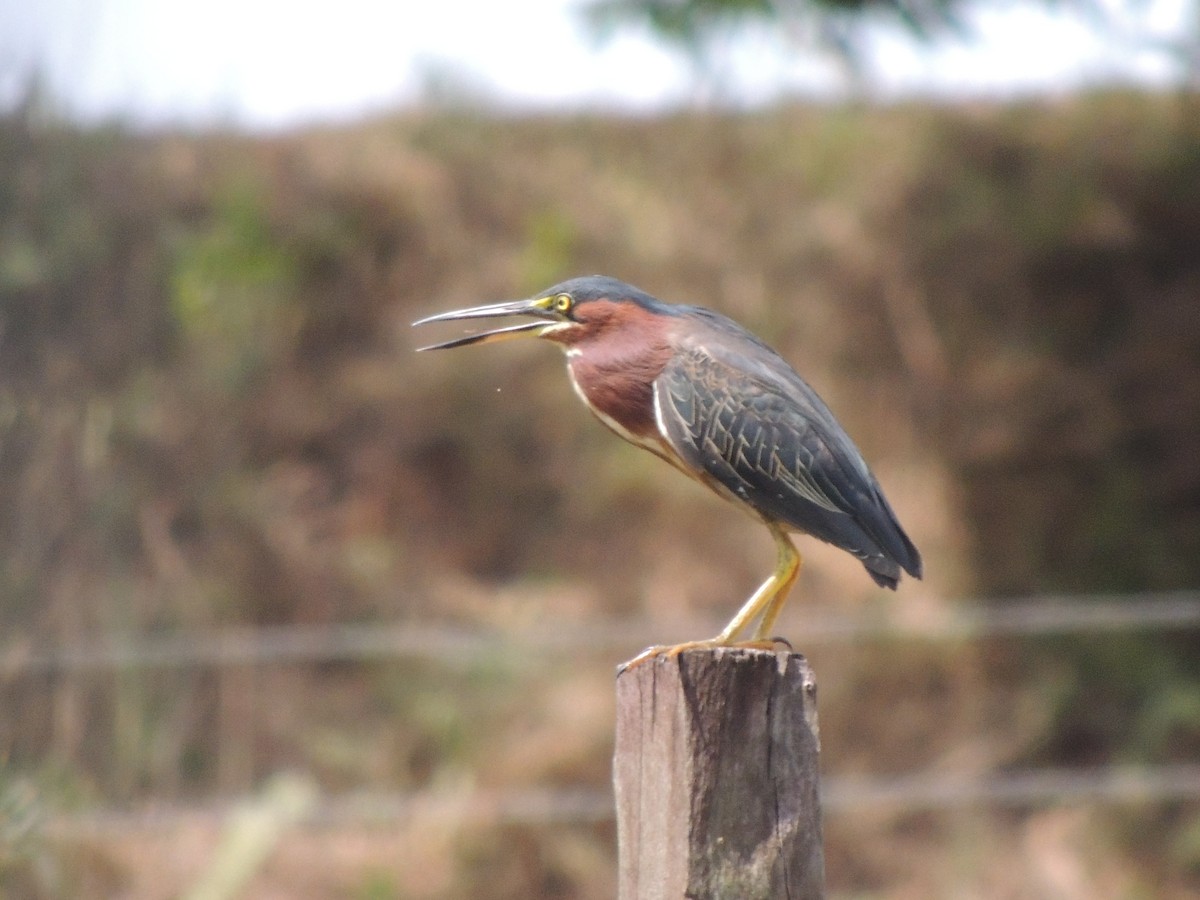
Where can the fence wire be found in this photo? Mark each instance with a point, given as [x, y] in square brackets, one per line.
[444, 645]
[840, 795]
[1030, 617]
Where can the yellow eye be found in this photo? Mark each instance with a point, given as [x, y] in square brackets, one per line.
[563, 303]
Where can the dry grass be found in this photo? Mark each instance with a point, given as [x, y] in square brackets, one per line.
[210, 416]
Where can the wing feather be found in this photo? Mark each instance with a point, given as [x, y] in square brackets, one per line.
[757, 430]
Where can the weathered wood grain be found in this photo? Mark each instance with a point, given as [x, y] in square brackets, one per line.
[716, 777]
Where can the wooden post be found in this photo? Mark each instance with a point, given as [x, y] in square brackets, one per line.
[716, 777]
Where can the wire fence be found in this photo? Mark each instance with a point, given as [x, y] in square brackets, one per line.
[1030, 617]
[840, 795]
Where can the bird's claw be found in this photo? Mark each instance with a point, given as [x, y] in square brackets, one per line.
[673, 650]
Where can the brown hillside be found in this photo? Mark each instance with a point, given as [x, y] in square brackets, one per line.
[212, 417]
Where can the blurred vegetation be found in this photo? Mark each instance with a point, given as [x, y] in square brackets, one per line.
[211, 417]
[844, 31]
[836, 24]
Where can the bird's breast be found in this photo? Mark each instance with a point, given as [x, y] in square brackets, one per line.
[619, 389]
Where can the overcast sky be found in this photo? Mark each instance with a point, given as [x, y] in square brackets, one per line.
[272, 63]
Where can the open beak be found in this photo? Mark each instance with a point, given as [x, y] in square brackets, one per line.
[513, 308]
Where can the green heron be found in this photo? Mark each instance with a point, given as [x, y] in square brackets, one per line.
[697, 389]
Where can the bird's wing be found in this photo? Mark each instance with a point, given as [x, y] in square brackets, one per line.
[762, 433]
[728, 425]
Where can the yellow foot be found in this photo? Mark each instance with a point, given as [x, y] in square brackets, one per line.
[673, 650]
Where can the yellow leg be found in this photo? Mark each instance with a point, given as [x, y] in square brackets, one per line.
[768, 600]
[787, 570]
